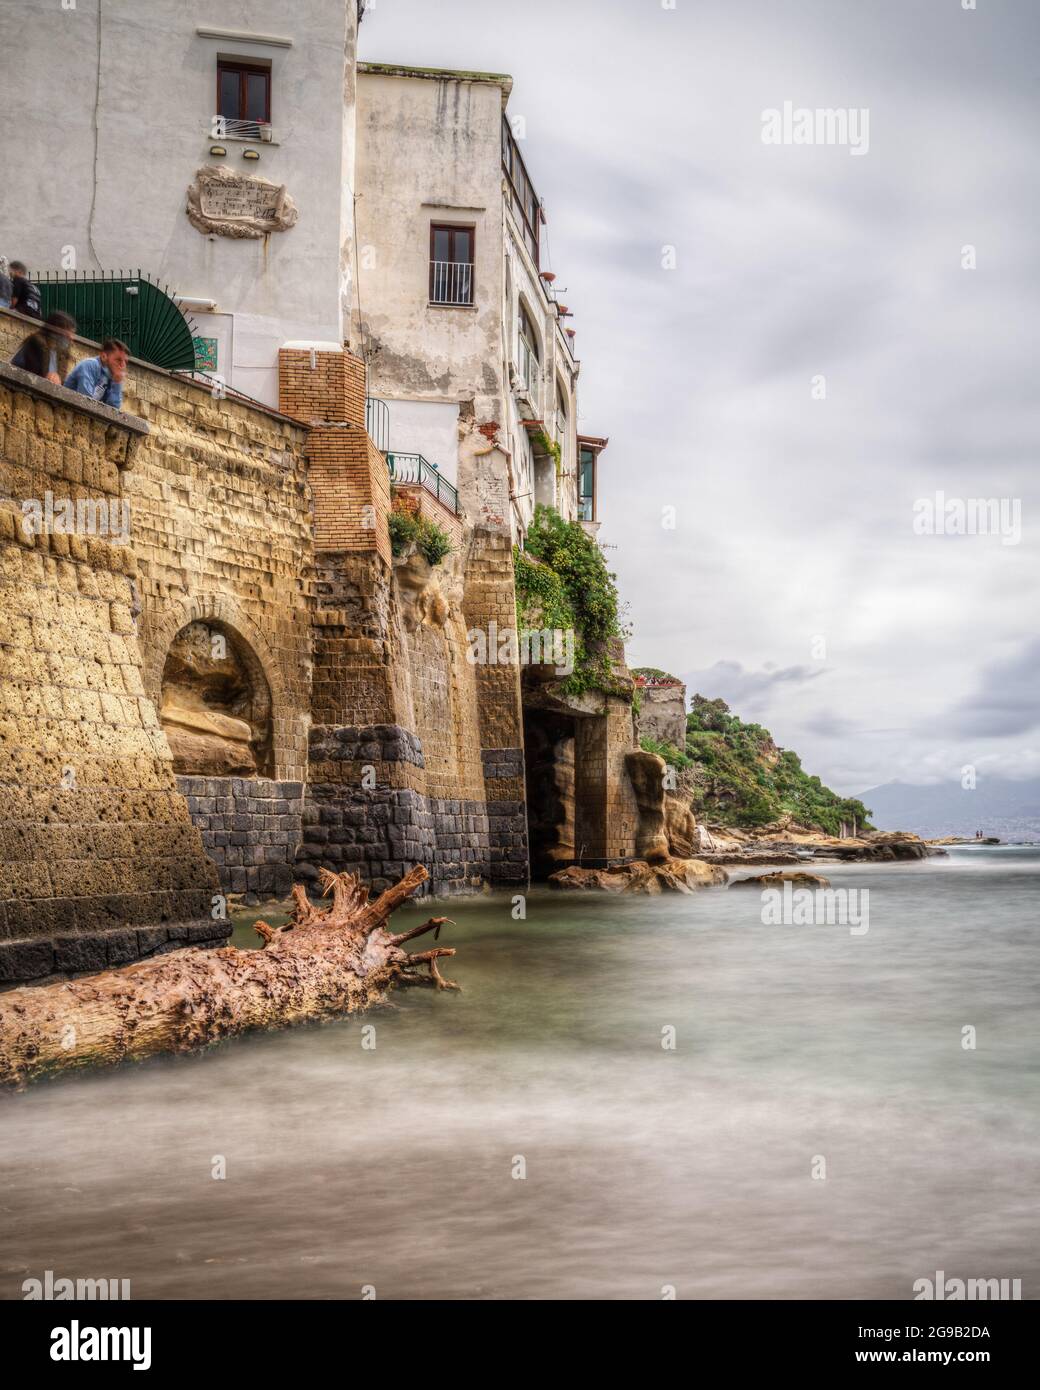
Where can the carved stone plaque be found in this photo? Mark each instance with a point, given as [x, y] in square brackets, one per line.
[238, 205]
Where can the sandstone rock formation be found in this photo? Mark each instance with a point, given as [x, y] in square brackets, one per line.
[646, 772]
[671, 875]
[792, 843]
[216, 706]
[681, 828]
[205, 743]
[798, 877]
[428, 593]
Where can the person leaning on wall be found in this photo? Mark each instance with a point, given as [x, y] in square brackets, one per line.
[48, 351]
[101, 377]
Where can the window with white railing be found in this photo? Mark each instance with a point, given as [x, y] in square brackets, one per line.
[451, 264]
[560, 420]
[243, 99]
[527, 361]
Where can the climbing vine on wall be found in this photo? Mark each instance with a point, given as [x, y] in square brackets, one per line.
[543, 444]
[563, 583]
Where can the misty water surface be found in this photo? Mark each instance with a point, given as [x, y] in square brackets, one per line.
[645, 1167]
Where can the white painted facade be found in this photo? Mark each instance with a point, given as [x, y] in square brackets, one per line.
[430, 155]
[110, 194]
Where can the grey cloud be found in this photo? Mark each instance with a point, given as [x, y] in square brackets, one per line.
[1008, 699]
[745, 691]
[793, 515]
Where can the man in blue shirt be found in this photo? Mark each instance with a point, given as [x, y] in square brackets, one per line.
[101, 378]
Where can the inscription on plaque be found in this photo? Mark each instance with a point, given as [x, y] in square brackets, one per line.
[238, 205]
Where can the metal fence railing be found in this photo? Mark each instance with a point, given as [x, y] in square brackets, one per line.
[415, 470]
[451, 282]
[377, 422]
[124, 304]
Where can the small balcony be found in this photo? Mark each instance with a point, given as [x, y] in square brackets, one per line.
[412, 470]
[451, 282]
[229, 128]
[377, 422]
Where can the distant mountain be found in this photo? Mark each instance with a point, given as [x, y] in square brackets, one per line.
[997, 806]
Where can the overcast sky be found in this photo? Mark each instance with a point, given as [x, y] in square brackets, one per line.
[794, 516]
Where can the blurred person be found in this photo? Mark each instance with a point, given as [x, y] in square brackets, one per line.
[48, 352]
[25, 296]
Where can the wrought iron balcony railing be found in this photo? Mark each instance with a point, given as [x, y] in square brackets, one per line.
[413, 469]
[377, 422]
[451, 282]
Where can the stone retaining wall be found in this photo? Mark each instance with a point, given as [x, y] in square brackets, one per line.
[251, 829]
[358, 816]
[99, 860]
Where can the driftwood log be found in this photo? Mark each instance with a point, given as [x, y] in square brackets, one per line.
[323, 962]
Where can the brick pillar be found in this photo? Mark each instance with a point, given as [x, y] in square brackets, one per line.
[605, 812]
[349, 478]
[365, 806]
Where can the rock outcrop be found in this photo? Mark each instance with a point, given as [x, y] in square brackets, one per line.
[646, 772]
[680, 825]
[882, 846]
[798, 877]
[205, 743]
[667, 875]
[793, 844]
[662, 713]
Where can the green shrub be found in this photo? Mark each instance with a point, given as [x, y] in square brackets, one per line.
[548, 446]
[668, 751]
[742, 778]
[431, 540]
[570, 588]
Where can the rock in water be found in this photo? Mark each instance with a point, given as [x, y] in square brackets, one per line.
[667, 875]
[646, 773]
[798, 877]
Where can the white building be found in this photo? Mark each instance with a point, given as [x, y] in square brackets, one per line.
[111, 107]
[465, 338]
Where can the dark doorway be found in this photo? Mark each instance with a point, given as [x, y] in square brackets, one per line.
[549, 768]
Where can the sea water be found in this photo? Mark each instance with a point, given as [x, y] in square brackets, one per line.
[632, 1096]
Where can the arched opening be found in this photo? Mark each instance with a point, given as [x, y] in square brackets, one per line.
[216, 704]
[528, 351]
[549, 740]
[560, 418]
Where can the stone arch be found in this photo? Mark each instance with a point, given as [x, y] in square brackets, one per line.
[158, 633]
